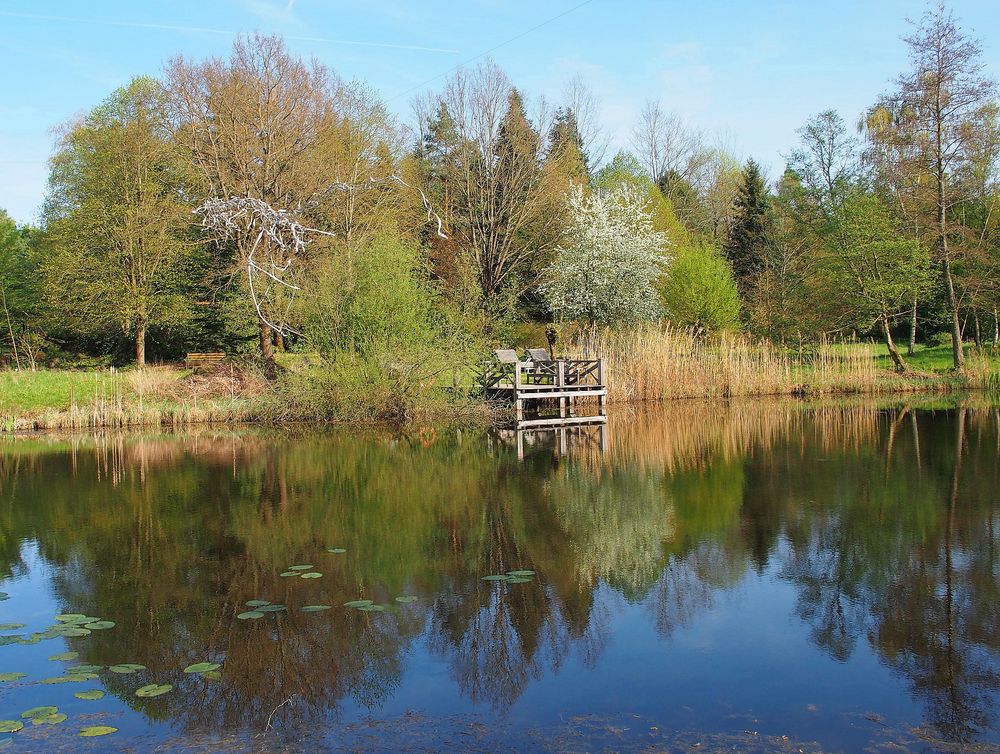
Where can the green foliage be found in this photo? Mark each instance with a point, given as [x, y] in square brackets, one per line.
[752, 230]
[699, 290]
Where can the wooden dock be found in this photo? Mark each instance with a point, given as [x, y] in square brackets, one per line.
[541, 381]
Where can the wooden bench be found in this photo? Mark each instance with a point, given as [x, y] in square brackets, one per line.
[204, 360]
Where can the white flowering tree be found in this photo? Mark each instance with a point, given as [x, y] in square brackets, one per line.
[606, 267]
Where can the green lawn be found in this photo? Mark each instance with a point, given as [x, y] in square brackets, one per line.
[23, 392]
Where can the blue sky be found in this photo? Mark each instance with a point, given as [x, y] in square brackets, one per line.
[749, 72]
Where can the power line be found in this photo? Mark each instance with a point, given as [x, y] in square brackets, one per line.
[474, 58]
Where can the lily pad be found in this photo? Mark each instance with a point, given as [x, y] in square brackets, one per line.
[84, 668]
[257, 603]
[289, 573]
[70, 617]
[496, 577]
[126, 668]
[10, 726]
[11, 677]
[520, 573]
[212, 675]
[5, 640]
[300, 567]
[96, 730]
[90, 695]
[70, 678]
[250, 615]
[10, 626]
[271, 608]
[312, 575]
[76, 632]
[154, 689]
[357, 603]
[336, 550]
[372, 608]
[100, 625]
[314, 608]
[518, 580]
[406, 600]
[202, 667]
[38, 712]
[54, 719]
[65, 656]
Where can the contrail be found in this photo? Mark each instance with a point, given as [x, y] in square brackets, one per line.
[206, 30]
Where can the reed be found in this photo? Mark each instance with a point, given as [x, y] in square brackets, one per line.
[661, 363]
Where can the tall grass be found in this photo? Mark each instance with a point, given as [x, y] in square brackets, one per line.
[664, 363]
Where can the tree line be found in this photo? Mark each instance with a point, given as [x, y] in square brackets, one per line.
[495, 209]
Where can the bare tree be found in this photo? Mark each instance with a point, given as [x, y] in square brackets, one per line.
[579, 98]
[667, 147]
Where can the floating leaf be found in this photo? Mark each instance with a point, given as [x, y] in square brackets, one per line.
[271, 608]
[10, 726]
[357, 603]
[38, 712]
[84, 668]
[289, 573]
[520, 573]
[202, 667]
[336, 550]
[153, 689]
[250, 615]
[518, 580]
[54, 719]
[406, 600]
[65, 656]
[75, 632]
[11, 677]
[96, 730]
[373, 608]
[300, 567]
[126, 668]
[70, 617]
[257, 603]
[312, 575]
[10, 626]
[4, 596]
[70, 678]
[90, 695]
[33, 639]
[314, 608]
[212, 675]
[496, 577]
[100, 625]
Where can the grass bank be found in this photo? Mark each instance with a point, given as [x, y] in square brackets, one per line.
[647, 365]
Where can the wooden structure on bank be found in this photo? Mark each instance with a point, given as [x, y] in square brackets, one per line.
[542, 380]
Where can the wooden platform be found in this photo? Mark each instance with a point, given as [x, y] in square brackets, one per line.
[558, 382]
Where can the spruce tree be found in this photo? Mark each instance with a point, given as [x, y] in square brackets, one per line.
[751, 230]
[566, 145]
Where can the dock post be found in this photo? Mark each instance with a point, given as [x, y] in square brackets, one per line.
[518, 400]
[560, 385]
[603, 397]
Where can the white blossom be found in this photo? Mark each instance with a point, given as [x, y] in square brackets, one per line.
[605, 269]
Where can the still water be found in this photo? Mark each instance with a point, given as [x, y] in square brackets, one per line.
[754, 577]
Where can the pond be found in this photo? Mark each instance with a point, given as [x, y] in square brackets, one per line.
[707, 577]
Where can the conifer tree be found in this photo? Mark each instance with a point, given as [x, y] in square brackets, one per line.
[751, 230]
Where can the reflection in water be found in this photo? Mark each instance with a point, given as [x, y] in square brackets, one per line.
[881, 521]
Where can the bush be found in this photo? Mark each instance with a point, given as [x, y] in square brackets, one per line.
[699, 290]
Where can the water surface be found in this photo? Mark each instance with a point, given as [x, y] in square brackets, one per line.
[711, 577]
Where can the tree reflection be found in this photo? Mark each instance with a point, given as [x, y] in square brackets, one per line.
[884, 520]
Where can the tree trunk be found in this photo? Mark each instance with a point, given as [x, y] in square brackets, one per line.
[140, 345]
[957, 355]
[977, 334]
[894, 354]
[996, 327]
[267, 350]
[912, 347]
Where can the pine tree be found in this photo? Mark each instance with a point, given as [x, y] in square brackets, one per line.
[566, 146]
[751, 232]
